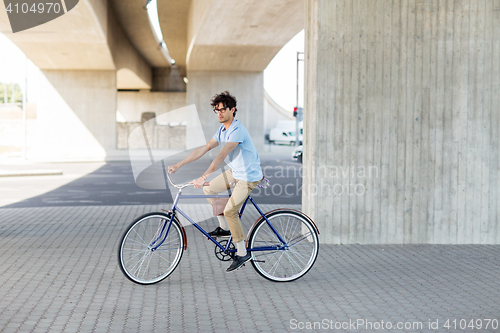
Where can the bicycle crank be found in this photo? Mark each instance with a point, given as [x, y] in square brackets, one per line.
[224, 255]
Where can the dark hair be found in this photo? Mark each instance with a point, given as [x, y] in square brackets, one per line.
[227, 100]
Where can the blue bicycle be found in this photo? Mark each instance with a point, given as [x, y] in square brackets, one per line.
[283, 243]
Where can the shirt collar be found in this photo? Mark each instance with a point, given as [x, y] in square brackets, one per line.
[230, 126]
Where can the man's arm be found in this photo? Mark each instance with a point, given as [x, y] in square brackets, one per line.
[196, 154]
[228, 147]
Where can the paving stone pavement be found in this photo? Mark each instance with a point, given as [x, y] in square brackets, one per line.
[59, 273]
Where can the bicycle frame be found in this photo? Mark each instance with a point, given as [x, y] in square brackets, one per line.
[176, 209]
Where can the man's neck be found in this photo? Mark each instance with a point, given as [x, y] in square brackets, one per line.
[228, 123]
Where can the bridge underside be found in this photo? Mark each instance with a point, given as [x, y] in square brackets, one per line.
[401, 127]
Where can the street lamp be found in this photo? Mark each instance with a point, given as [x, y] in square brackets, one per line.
[297, 108]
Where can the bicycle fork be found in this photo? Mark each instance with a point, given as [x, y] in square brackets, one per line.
[164, 225]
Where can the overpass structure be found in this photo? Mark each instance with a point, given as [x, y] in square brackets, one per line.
[401, 123]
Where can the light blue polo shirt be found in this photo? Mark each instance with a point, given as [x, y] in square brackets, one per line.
[243, 160]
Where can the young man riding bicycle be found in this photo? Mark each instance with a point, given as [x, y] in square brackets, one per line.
[244, 166]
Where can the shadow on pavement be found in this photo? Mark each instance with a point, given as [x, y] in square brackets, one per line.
[114, 184]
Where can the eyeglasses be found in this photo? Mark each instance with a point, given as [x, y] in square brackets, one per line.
[223, 110]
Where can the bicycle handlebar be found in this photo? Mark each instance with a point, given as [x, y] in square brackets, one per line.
[182, 186]
[263, 184]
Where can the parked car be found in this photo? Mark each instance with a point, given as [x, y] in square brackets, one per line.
[283, 135]
[297, 154]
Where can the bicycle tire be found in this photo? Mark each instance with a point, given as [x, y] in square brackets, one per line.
[303, 246]
[138, 262]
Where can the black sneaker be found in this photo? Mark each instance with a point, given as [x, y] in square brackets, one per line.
[238, 261]
[219, 232]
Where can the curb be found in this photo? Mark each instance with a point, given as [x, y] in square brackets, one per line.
[26, 173]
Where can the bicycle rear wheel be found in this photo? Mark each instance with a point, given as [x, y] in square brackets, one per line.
[298, 254]
[139, 256]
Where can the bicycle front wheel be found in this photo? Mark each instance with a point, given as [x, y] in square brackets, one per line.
[149, 250]
[286, 262]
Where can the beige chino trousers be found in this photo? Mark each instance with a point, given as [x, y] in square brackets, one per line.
[241, 191]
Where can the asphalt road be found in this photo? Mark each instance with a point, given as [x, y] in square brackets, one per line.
[113, 183]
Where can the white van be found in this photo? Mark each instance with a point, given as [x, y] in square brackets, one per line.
[284, 135]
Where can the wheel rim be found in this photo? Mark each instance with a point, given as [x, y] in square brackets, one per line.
[290, 264]
[139, 261]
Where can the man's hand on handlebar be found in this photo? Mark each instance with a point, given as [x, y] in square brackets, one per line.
[199, 183]
[173, 168]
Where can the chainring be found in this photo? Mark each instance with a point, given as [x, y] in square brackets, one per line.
[223, 255]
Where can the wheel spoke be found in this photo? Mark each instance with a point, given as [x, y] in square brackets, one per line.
[294, 264]
[143, 241]
[300, 239]
[299, 256]
[277, 263]
[136, 242]
[146, 268]
[139, 252]
[139, 264]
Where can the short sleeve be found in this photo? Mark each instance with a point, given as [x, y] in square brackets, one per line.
[237, 135]
[216, 136]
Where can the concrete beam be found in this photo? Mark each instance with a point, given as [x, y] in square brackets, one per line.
[133, 19]
[240, 36]
[76, 40]
[86, 38]
[133, 71]
[173, 16]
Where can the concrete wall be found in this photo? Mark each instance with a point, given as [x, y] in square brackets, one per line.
[159, 136]
[247, 87]
[410, 90]
[12, 134]
[76, 115]
[131, 104]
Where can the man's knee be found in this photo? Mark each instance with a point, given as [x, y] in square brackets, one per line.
[231, 211]
[206, 190]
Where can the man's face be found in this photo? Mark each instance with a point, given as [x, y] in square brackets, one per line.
[224, 114]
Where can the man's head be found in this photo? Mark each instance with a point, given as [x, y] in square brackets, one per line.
[224, 105]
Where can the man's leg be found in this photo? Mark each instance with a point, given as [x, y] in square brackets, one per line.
[219, 184]
[240, 193]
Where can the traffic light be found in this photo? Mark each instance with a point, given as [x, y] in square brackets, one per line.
[297, 112]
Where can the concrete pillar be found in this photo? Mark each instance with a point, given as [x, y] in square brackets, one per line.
[76, 115]
[247, 87]
[401, 121]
